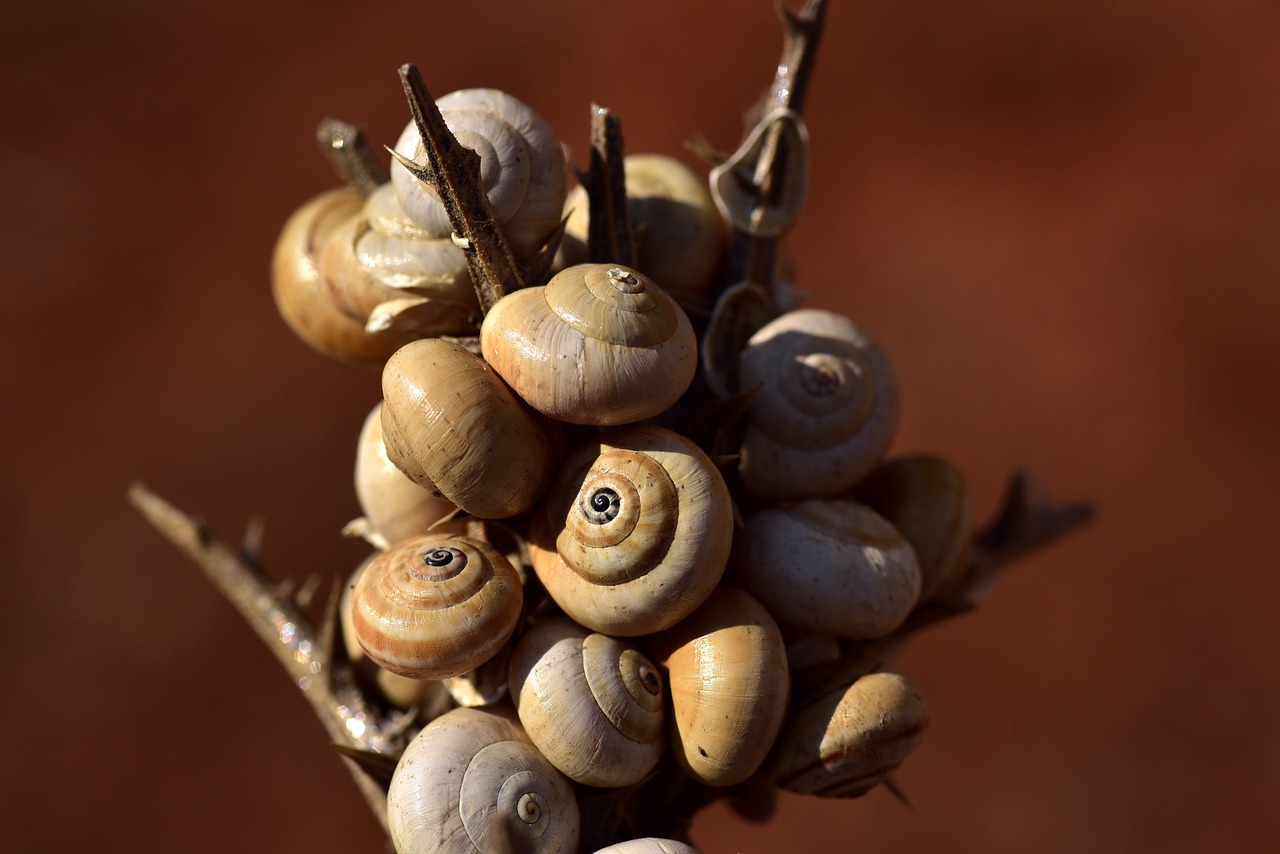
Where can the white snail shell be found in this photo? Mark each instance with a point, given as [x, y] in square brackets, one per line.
[599, 344]
[729, 682]
[521, 167]
[649, 845]
[845, 742]
[829, 565]
[826, 409]
[594, 705]
[436, 606]
[471, 782]
[395, 508]
[635, 532]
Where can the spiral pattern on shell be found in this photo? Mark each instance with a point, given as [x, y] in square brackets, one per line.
[437, 606]
[826, 407]
[635, 532]
[592, 704]
[521, 167]
[599, 344]
[472, 781]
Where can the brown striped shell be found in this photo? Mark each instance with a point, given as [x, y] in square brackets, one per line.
[635, 531]
[600, 344]
[845, 742]
[472, 783]
[436, 606]
[825, 410]
[453, 426]
[829, 566]
[592, 704]
[729, 682]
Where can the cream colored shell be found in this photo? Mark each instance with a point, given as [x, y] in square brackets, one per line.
[649, 845]
[825, 410]
[392, 276]
[678, 232]
[847, 741]
[830, 566]
[635, 532]
[454, 427]
[436, 606]
[599, 344]
[729, 683]
[472, 783]
[594, 705]
[303, 295]
[521, 167]
[926, 499]
[394, 507]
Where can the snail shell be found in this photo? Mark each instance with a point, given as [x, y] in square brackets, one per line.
[436, 606]
[729, 682]
[925, 498]
[394, 507]
[472, 781]
[649, 845]
[845, 742]
[635, 532]
[679, 233]
[599, 344]
[830, 566]
[521, 167]
[391, 275]
[303, 295]
[825, 411]
[452, 426]
[593, 705]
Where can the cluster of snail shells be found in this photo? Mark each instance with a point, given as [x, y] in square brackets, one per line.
[666, 625]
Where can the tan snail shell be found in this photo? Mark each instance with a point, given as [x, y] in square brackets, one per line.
[389, 274]
[472, 783]
[649, 845]
[430, 698]
[729, 682]
[436, 606]
[635, 532]
[847, 741]
[830, 566]
[453, 426]
[303, 295]
[394, 507]
[594, 705]
[599, 344]
[826, 409]
[679, 234]
[521, 167]
[926, 499]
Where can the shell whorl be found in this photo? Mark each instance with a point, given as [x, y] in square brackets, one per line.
[592, 704]
[826, 407]
[436, 606]
[635, 531]
[472, 781]
[521, 167]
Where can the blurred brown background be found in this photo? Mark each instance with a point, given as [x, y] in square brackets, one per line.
[1060, 220]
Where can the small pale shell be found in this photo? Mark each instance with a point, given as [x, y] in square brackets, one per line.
[829, 566]
[649, 845]
[826, 409]
[925, 498]
[436, 606]
[729, 682]
[635, 532]
[599, 344]
[593, 705]
[472, 783]
[844, 743]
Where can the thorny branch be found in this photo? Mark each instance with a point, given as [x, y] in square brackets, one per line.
[348, 152]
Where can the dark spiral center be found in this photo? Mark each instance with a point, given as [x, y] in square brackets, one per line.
[602, 506]
[439, 557]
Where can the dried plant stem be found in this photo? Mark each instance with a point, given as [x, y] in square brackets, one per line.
[350, 155]
[609, 237]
